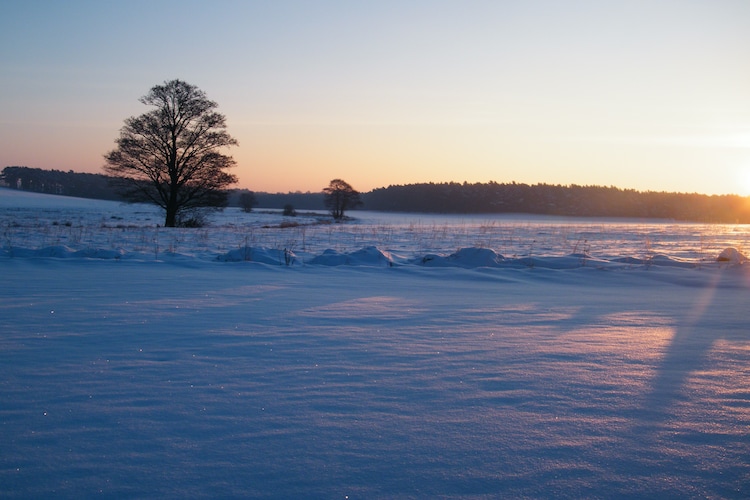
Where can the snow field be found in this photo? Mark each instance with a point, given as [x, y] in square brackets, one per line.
[185, 376]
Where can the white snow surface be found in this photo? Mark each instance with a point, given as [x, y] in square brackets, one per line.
[393, 356]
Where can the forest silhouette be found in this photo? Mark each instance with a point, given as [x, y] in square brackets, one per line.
[450, 197]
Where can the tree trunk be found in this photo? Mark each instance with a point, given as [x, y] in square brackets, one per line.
[171, 219]
[172, 206]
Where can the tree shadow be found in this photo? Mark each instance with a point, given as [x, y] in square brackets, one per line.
[717, 314]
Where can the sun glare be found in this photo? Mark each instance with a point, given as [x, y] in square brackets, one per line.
[743, 182]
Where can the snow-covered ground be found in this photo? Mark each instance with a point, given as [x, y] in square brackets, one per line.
[392, 356]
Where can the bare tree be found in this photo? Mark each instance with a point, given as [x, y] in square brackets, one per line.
[248, 201]
[339, 197]
[170, 155]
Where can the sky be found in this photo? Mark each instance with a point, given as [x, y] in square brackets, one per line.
[646, 95]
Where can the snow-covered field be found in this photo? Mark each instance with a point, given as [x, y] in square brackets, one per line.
[393, 356]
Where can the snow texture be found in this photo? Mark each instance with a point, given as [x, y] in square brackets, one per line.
[392, 357]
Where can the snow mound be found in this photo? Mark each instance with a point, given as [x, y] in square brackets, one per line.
[473, 257]
[668, 261]
[656, 260]
[368, 256]
[98, 253]
[466, 257]
[372, 256]
[731, 255]
[262, 255]
[58, 251]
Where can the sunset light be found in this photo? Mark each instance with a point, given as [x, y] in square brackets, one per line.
[375, 249]
[630, 94]
[743, 186]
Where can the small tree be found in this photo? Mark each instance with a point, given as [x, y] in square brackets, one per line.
[248, 201]
[339, 197]
[170, 155]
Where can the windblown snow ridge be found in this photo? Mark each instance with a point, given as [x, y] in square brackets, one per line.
[371, 256]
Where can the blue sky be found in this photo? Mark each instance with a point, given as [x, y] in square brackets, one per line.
[643, 95]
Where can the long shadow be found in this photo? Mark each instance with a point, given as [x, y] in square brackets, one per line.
[717, 314]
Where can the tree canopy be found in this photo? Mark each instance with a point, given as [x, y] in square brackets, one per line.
[171, 155]
[339, 196]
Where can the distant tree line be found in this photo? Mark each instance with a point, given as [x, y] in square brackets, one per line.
[298, 199]
[452, 197]
[99, 186]
[547, 199]
[68, 183]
